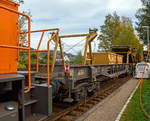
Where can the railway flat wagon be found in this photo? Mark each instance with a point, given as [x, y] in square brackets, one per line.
[82, 79]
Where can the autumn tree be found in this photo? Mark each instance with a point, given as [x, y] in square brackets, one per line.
[118, 31]
[23, 28]
[109, 31]
[22, 19]
[143, 19]
[77, 59]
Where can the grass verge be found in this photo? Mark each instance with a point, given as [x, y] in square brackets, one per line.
[133, 112]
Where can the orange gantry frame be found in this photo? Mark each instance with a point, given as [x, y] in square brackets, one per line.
[54, 35]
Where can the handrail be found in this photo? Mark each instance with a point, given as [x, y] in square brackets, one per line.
[14, 47]
[7, 46]
[37, 50]
[37, 67]
[18, 36]
[43, 30]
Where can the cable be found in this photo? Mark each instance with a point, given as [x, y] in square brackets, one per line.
[71, 48]
[75, 45]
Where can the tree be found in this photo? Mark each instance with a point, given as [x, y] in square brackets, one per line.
[143, 17]
[22, 23]
[109, 31]
[19, 1]
[22, 20]
[78, 58]
[118, 31]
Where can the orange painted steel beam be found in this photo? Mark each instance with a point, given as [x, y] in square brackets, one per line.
[34, 51]
[44, 30]
[29, 25]
[14, 47]
[40, 41]
[37, 60]
[18, 37]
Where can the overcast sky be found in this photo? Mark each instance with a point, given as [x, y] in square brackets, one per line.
[77, 16]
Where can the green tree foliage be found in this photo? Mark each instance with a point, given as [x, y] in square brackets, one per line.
[23, 20]
[19, 1]
[77, 59]
[109, 31]
[23, 25]
[22, 62]
[23, 58]
[118, 31]
[143, 16]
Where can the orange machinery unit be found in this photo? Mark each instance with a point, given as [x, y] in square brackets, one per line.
[8, 36]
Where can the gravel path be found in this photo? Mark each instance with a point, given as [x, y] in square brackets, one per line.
[112, 106]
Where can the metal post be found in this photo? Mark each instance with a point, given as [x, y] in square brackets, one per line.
[148, 40]
[147, 36]
[147, 27]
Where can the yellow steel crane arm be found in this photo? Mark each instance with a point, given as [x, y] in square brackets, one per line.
[89, 38]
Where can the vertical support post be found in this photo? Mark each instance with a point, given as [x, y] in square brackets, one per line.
[48, 80]
[148, 40]
[127, 57]
[61, 53]
[92, 34]
[37, 55]
[85, 50]
[90, 52]
[56, 39]
[18, 37]
[22, 99]
[48, 54]
[147, 36]
[29, 55]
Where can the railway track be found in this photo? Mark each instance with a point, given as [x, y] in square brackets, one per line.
[75, 111]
